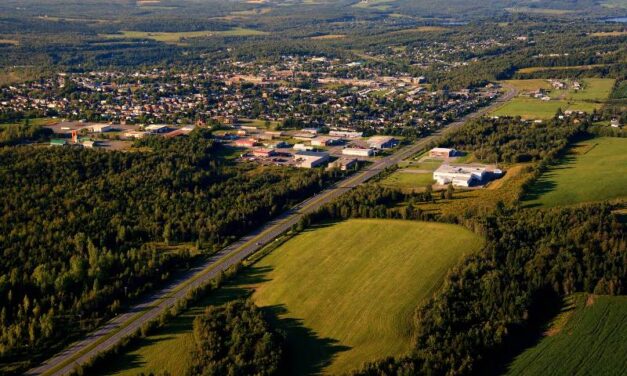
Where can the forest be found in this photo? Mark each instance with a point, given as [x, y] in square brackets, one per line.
[235, 339]
[83, 231]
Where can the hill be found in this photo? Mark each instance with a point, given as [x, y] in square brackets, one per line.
[589, 337]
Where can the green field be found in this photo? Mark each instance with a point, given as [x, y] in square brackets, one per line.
[408, 180]
[344, 294]
[593, 170]
[589, 337]
[176, 37]
[594, 92]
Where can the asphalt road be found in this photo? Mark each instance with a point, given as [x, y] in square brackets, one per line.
[151, 306]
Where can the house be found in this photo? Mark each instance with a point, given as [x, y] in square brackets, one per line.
[157, 128]
[344, 164]
[345, 134]
[615, 123]
[100, 128]
[465, 175]
[358, 152]
[310, 159]
[442, 153]
[264, 153]
[382, 142]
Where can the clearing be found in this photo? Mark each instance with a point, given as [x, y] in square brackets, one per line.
[589, 337]
[593, 170]
[176, 37]
[595, 91]
[344, 293]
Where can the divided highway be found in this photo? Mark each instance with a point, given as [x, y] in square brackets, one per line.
[151, 306]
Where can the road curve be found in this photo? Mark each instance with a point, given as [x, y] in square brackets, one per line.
[152, 306]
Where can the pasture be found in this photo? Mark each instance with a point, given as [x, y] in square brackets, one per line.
[589, 337]
[344, 293]
[593, 170]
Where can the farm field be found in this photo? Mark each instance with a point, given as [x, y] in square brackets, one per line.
[176, 37]
[326, 308]
[558, 68]
[594, 170]
[589, 337]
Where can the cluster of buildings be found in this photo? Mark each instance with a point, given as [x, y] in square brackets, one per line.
[465, 175]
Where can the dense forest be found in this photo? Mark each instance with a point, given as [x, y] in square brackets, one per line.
[82, 231]
[235, 339]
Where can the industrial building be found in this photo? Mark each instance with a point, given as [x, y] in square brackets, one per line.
[157, 128]
[344, 163]
[310, 159]
[358, 152]
[442, 153]
[346, 134]
[465, 175]
[382, 142]
[100, 128]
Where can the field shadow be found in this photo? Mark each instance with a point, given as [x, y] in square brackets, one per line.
[547, 306]
[306, 352]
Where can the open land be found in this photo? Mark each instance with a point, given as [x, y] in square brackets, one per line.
[583, 339]
[593, 170]
[326, 308]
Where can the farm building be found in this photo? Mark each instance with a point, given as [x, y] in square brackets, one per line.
[157, 128]
[464, 175]
[442, 153]
[344, 163]
[358, 152]
[382, 142]
[100, 128]
[310, 159]
[246, 143]
[346, 134]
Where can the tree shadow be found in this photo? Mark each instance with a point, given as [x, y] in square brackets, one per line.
[306, 352]
[546, 307]
[546, 182]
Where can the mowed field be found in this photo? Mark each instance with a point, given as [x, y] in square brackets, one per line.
[356, 284]
[344, 294]
[593, 170]
[589, 337]
[595, 92]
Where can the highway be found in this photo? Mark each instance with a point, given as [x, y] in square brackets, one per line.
[152, 306]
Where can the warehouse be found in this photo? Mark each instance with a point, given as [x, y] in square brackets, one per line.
[442, 153]
[310, 159]
[358, 152]
[382, 142]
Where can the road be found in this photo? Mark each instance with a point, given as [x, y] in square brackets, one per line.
[153, 305]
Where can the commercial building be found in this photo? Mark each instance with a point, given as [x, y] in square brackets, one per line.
[442, 153]
[157, 128]
[310, 159]
[246, 143]
[346, 134]
[465, 175]
[100, 128]
[358, 152]
[265, 153]
[303, 147]
[135, 134]
[382, 142]
[324, 141]
[344, 163]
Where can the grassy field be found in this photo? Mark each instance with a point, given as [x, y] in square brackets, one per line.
[177, 37]
[546, 11]
[558, 68]
[408, 179]
[595, 91]
[593, 170]
[344, 294]
[589, 337]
